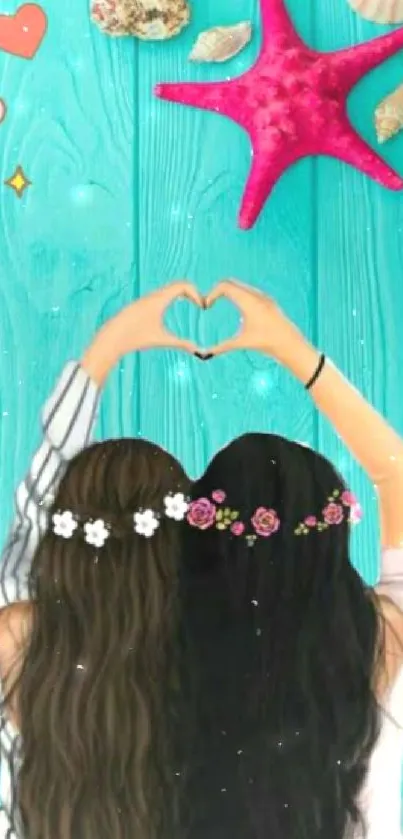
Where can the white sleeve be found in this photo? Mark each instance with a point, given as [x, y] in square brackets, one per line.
[68, 419]
[391, 579]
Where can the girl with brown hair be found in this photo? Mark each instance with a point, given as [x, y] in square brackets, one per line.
[85, 654]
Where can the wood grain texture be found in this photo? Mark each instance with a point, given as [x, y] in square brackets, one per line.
[68, 256]
[193, 168]
[359, 265]
[130, 192]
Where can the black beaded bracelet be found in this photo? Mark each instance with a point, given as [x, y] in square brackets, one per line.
[317, 372]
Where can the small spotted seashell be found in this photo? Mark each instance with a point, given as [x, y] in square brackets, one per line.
[150, 20]
[380, 11]
[389, 116]
[107, 14]
[221, 43]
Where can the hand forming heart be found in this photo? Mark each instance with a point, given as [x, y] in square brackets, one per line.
[140, 326]
[264, 327]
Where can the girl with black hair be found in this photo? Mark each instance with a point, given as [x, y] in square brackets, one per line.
[297, 679]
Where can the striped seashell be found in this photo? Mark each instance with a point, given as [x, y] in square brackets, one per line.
[221, 43]
[379, 11]
[389, 115]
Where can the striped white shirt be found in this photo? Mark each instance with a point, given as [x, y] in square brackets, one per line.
[68, 420]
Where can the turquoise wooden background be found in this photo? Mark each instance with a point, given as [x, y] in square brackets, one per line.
[129, 192]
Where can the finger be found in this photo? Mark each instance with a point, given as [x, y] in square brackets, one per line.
[229, 289]
[235, 291]
[181, 288]
[167, 340]
[186, 346]
[225, 347]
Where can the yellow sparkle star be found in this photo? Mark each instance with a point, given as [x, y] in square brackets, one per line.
[18, 182]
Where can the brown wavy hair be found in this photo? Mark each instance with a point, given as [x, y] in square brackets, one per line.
[99, 672]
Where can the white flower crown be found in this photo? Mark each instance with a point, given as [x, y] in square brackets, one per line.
[145, 522]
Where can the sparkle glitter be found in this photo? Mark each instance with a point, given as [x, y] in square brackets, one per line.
[18, 182]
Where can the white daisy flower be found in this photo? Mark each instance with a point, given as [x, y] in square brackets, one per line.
[64, 524]
[146, 523]
[96, 533]
[176, 506]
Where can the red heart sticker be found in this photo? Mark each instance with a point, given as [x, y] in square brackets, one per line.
[22, 34]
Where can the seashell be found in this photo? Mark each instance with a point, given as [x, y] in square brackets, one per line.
[106, 14]
[389, 116]
[3, 110]
[379, 11]
[150, 20]
[221, 43]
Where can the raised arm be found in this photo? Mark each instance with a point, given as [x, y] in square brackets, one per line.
[68, 420]
[371, 440]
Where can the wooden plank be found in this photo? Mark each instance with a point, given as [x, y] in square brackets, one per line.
[68, 253]
[360, 262]
[193, 171]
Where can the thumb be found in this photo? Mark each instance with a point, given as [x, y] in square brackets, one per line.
[223, 348]
[185, 346]
[171, 342]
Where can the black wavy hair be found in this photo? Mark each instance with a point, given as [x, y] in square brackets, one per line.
[282, 642]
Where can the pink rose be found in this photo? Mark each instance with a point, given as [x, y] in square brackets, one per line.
[355, 513]
[265, 522]
[348, 498]
[333, 513]
[237, 528]
[218, 496]
[201, 513]
[311, 521]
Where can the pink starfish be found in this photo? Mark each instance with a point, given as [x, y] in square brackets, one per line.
[293, 103]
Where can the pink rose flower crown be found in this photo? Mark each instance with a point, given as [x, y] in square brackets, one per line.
[340, 506]
[205, 513]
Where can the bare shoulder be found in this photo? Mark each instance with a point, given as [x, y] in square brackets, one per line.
[15, 618]
[15, 626]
